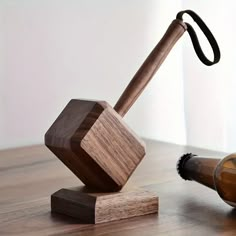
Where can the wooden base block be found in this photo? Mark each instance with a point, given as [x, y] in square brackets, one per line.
[91, 207]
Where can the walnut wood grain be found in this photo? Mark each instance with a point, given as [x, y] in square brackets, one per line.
[29, 175]
[93, 141]
[94, 208]
[150, 66]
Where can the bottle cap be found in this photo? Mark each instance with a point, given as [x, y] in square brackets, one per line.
[180, 165]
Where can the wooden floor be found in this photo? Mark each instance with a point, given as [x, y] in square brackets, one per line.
[28, 176]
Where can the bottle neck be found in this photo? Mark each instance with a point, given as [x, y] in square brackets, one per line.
[199, 169]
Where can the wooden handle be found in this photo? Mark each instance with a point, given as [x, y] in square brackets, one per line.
[150, 66]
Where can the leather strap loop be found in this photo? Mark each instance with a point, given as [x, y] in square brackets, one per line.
[195, 41]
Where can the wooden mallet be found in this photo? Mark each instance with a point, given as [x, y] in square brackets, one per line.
[91, 138]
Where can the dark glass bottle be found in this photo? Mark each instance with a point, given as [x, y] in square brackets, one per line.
[217, 174]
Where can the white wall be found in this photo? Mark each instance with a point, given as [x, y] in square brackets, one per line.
[54, 50]
[210, 99]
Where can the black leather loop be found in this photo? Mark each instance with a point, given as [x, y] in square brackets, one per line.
[195, 41]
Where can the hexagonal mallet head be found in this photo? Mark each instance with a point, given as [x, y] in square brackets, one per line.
[93, 141]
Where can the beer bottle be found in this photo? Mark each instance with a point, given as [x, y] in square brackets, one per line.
[217, 174]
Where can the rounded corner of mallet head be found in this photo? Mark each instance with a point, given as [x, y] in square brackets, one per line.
[93, 141]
